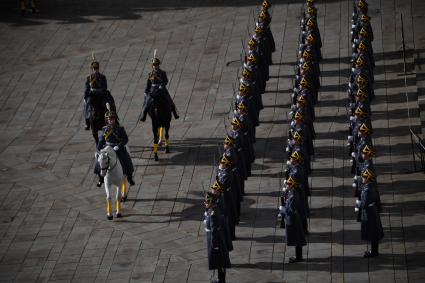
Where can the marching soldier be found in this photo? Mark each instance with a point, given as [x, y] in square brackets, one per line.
[218, 255]
[237, 165]
[115, 136]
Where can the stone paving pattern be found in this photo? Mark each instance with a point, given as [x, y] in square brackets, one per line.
[53, 226]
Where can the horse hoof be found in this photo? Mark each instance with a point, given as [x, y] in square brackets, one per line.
[118, 215]
[123, 198]
[110, 217]
[167, 149]
[155, 157]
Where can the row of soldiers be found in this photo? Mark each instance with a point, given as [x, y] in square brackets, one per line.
[294, 208]
[223, 201]
[361, 94]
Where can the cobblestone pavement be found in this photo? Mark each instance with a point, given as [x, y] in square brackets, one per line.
[53, 225]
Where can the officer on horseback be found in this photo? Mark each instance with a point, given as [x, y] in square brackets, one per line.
[115, 136]
[158, 104]
[96, 96]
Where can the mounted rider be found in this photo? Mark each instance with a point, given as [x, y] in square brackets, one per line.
[159, 105]
[115, 136]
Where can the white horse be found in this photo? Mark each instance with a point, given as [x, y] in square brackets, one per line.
[111, 170]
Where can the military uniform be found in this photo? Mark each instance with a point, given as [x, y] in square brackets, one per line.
[218, 255]
[116, 137]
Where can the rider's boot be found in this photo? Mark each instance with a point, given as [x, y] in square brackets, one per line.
[109, 209]
[155, 152]
[100, 182]
[167, 145]
[118, 213]
[124, 190]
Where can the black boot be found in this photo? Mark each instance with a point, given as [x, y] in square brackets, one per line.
[221, 275]
[130, 180]
[298, 255]
[100, 182]
[374, 250]
[144, 114]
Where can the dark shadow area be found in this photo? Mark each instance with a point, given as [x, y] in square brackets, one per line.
[76, 11]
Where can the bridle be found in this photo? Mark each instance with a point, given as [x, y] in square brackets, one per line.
[107, 166]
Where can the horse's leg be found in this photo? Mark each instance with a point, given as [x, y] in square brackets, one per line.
[118, 201]
[167, 139]
[155, 138]
[161, 135]
[108, 201]
[124, 189]
[94, 132]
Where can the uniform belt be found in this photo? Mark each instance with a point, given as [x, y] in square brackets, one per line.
[111, 143]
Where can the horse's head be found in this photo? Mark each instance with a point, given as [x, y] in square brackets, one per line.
[104, 160]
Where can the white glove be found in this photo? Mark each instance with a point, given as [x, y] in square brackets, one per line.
[357, 202]
[116, 148]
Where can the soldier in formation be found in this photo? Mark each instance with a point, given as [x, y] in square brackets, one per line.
[360, 91]
[294, 208]
[238, 147]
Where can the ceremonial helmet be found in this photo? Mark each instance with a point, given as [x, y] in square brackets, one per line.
[312, 11]
[310, 39]
[259, 30]
[306, 67]
[362, 46]
[368, 175]
[225, 160]
[304, 83]
[246, 72]
[242, 106]
[111, 114]
[252, 59]
[307, 54]
[365, 129]
[363, 32]
[297, 136]
[236, 122]
[301, 100]
[360, 112]
[218, 186]
[360, 61]
[243, 88]
[94, 63]
[362, 93]
[368, 151]
[229, 140]
[364, 18]
[299, 116]
[292, 181]
[252, 44]
[262, 16]
[362, 5]
[155, 60]
[310, 23]
[362, 80]
[297, 156]
[210, 198]
[311, 2]
[266, 4]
